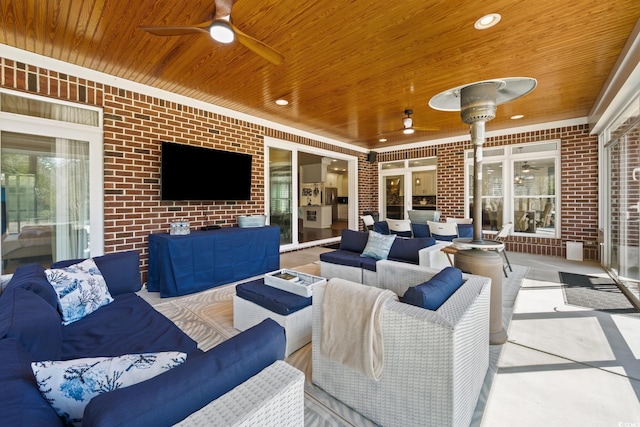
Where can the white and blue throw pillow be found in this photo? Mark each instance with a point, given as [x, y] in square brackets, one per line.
[378, 245]
[69, 385]
[81, 289]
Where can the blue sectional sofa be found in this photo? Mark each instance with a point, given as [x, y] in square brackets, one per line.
[348, 263]
[32, 329]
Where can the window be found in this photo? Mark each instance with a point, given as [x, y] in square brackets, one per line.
[51, 181]
[518, 186]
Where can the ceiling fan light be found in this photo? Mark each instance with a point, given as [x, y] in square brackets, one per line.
[407, 122]
[408, 131]
[221, 32]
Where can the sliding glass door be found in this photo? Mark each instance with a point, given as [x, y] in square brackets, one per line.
[310, 193]
[281, 192]
[622, 155]
[51, 181]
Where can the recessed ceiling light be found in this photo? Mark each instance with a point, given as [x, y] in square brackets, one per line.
[383, 140]
[487, 21]
[282, 102]
[517, 116]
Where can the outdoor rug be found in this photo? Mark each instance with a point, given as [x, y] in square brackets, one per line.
[597, 293]
[207, 317]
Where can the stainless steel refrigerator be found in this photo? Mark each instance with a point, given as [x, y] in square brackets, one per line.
[331, 198]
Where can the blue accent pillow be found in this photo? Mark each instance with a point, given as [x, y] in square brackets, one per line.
[81, 290]
[121, 270]
[381, 227]
[69, 385]
[407, 249]
[465, 230]
[174, 395]
[353, 241]
[420, 230]
[435, 291]
[30, 319]
[378, 245]
[32, 278]
[21, 403]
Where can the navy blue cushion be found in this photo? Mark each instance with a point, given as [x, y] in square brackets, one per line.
[368, 263]
[273, 299]
[420, 230]
[172, 396]
[32, 278]
[407, 249]
[33, 322]
[444, 237]
[21, 403]
[465, 230]
[340, 257]
[381, 227]
[353, 241]
[121, 270]
[127, 325]
[434, 292]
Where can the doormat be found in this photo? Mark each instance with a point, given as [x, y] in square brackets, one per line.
[597, 293]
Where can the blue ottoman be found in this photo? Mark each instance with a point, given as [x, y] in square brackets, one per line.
[254, 301]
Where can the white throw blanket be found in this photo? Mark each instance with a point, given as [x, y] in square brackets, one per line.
[352, 326]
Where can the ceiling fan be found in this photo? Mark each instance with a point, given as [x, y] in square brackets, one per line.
[220, 27]
[407, 125]
[526, 167]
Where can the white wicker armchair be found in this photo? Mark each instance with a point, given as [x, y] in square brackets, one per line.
[435, 362]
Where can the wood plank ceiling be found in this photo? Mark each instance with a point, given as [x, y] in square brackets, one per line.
[351, 67]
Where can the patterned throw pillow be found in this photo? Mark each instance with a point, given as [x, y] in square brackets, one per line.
[69, 385]
[81, 289]
[378, 245]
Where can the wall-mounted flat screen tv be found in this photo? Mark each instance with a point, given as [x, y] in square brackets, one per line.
[188, 172]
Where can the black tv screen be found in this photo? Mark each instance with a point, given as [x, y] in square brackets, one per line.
[188, 172]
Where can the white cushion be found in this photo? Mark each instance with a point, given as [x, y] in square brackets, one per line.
[81, 289]
[69, 385]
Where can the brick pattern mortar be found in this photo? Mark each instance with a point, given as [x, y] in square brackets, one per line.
[579, 186]
[135, 124]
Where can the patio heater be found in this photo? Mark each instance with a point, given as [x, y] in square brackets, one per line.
[477, 103]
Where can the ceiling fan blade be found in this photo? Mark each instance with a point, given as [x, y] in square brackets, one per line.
[178, 30]
[258, 47]
[426, 129]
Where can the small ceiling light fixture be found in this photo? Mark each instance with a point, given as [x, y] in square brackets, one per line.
[407, 123]
[382, 140]
[282, 101]
[517, 116]
[221, 31]
[487, 21]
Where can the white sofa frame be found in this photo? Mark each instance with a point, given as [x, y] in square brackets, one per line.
[431, 256]
[435, 362]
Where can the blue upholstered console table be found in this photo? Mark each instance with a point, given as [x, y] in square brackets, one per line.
[180, 265]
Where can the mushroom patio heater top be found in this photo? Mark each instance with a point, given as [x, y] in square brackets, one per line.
[477, 103]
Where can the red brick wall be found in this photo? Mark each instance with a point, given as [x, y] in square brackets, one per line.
[579, 186]
[135, 124]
